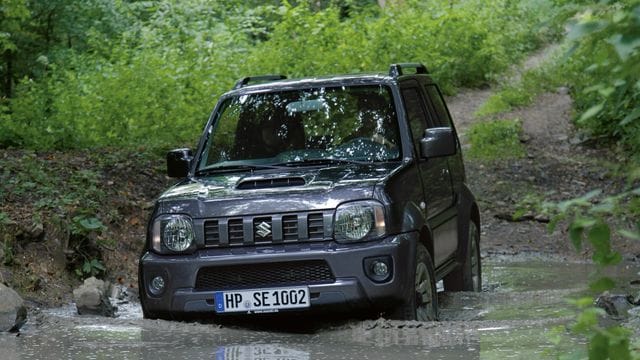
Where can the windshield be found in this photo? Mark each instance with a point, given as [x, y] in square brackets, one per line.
[350, 123]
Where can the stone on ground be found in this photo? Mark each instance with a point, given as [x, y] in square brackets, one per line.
[13, 313]
[92, 298]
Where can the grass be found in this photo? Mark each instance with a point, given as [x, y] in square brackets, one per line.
[495, 140]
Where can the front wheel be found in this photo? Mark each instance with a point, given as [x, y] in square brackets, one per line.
[468, 277]
[422, 305]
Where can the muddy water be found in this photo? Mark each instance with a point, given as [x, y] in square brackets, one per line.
[522, 302]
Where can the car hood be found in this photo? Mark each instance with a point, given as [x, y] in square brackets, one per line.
[261, 192]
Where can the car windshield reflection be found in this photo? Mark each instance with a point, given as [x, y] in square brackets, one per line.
[355, 124]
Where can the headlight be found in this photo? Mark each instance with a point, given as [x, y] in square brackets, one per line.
[359, 220]
[173, 233]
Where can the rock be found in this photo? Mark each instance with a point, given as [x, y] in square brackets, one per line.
[13, 313]
[124, 294]
[92, 298]
[616, 306]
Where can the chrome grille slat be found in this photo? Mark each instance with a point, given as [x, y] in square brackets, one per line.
[290, 228]
[315, 226]
[236, 231]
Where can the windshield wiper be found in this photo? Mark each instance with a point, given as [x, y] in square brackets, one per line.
[323, 161]
[234, 168]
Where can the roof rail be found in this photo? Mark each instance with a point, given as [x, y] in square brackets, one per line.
[395, 70]
[262, 78]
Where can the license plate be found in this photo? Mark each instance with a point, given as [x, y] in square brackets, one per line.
[262, 300]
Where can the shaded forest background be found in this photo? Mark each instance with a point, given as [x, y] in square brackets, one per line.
[145, 74]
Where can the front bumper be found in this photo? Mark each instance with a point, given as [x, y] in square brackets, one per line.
[351, 288]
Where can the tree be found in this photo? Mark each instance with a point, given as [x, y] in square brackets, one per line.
[13, 13]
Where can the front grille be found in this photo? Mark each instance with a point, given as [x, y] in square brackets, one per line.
[267, 229]
[211, 232]
[290, 228]
[236, 232]
[315, 226]
[264, 275]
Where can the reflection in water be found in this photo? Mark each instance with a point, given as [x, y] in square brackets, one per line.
[512, 318]
[260, 352]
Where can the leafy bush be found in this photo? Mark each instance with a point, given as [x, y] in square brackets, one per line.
[150, 78]
[498, 139]
[603, 71]
[588, 218]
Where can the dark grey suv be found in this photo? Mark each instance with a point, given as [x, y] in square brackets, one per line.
[345, 191]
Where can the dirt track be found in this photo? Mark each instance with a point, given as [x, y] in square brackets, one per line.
[558, 166]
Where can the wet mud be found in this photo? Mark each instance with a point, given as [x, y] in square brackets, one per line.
[521, 307]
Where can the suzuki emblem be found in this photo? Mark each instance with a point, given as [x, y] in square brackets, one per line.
[263, 229]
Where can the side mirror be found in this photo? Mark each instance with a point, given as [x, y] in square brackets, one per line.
[179, 162]
[438, 142]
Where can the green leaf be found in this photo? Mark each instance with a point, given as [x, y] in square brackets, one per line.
[91, 223]
[598, 347]
[608, 259]
[96, 264]
[591, 112]
[582, 302]
[602, 284]
[86, 267]
[625, 45]
[633, 235]
[575, 234]
[618, 338]
[587, 319]
[600, 237]
[631, 117]
[583, 29]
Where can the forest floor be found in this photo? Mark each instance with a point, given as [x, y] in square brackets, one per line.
[40, 252]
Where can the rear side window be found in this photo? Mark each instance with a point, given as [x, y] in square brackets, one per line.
[442, 115]
[415, 112]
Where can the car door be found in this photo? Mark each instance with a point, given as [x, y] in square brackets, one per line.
[437, 111]
[434, 173]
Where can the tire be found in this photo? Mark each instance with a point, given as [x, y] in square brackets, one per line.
[423, 304]
[468, 277]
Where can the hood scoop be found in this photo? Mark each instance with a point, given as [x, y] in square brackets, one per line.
[270, 183]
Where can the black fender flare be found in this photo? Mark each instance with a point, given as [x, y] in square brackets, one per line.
[467, 211]
[413, 220]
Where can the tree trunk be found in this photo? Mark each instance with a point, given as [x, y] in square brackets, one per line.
[7, 82]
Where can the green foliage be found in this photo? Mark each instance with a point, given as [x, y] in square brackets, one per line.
[602, 69]
[145, 74]
[599, 65]
[588, 218]
[12, 14]
[85, 225]
[522, 92]
[464, 44]
[65, 190]
[612, 342]
[497, 139]
[93, 267]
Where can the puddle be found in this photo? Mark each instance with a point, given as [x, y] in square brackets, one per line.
[522, 302]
